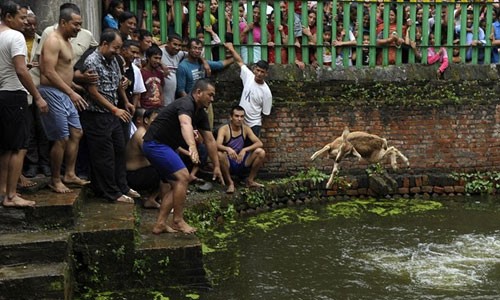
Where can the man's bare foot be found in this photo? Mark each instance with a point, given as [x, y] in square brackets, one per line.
[60, 188]
[163, 228]
[25, 182]
[184, 227]
[75, 180]
[17, 201]
[151, 203]
[230, 189]
[194, 179]
[253, 184]
[125, 199]
[133, 194]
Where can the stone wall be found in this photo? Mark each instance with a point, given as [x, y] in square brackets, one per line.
[451, 124]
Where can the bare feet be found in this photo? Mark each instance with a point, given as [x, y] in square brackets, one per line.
[125, 199]
[25, 182]
[163, 228]
[184, 227]
[133, 194]
[75, 180]
[253, 184]
[17, 201]
[151, 203]
[230, 189]
[60, 188]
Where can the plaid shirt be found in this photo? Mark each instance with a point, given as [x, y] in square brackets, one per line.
[109, 79]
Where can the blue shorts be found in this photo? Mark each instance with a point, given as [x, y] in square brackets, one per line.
[62, 114]
[165, 160]
[238, 168]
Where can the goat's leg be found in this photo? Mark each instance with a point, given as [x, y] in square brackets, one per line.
[356, 153]
[319, 152]
[404, 158]
[335, 170]
[394, 153]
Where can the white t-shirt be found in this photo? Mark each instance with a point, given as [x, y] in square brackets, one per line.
[12, 45]
[256, 98]
[170, 82]
[139, 86]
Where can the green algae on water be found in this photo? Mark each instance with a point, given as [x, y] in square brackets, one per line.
[356, 208]
[277, 218]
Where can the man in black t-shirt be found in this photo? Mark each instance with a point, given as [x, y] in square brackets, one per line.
[173, 128]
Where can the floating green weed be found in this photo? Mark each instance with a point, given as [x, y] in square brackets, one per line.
[354, 209]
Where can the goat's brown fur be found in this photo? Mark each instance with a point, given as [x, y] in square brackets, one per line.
[363, 145]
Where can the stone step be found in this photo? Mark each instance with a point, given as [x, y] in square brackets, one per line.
[34, 247]
[52, 210]
[104, 244]
[168, 254]
[35, 281]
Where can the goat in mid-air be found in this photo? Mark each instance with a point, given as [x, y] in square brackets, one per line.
[363, 145]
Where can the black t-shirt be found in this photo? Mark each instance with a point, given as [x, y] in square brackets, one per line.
[166, 128]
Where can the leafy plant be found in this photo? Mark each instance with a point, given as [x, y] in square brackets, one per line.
[479, 182]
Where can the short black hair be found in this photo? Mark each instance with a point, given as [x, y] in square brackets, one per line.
[202, 84]
[130, 43]
[65, 13]
[193, 40]
[142, 33]
[262, 64]
[69, 5]
[174, 36]
[149, 112]
[9, 7]
[153, 50]
[113, 4]
[125, 16]
[237, 108]
[108, 36]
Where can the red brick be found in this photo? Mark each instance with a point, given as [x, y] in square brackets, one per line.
[427, 189]
[403, 190]
[351, 192]
[449, 189]
[331, 192]
[406, 182]
[459, 189]
[438, 189]
[418, 181]
[415, 190]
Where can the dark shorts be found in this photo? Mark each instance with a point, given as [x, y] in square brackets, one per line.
[142, 179]
[62, 114]
[14, 120]
[239, 168]
[165, 160]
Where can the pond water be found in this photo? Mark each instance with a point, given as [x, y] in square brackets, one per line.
[448, 252]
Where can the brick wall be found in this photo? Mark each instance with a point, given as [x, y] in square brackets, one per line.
[440, 125]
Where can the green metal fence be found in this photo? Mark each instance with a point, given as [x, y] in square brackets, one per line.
[331, 16]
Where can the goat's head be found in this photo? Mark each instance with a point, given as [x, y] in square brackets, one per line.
[345, 148]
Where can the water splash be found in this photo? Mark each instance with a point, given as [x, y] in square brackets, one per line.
[464, 262]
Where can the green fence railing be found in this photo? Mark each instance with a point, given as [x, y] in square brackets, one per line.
[348, 21]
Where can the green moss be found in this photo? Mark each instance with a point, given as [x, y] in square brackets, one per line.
[354, 209]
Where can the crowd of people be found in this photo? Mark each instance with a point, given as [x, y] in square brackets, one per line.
[123, 115]
[342, 31]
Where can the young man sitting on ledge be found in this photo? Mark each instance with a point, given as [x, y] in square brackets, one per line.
[236, 158]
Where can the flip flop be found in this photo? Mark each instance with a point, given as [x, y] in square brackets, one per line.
[207, 186]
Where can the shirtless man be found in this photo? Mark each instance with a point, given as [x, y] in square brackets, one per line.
[140, 174]
[62, 123]
[234, 156]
